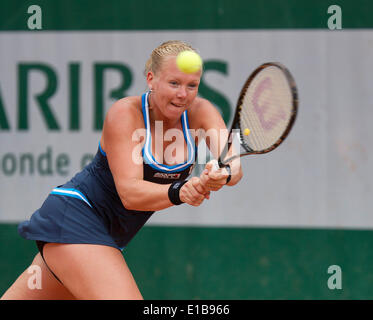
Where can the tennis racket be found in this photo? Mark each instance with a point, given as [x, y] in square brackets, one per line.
[265, 113]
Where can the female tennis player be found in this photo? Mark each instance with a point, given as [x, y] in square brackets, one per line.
[84, 224]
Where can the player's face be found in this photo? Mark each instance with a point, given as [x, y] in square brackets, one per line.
[173, 91]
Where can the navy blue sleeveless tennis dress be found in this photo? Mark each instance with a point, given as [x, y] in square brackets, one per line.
[87, 209]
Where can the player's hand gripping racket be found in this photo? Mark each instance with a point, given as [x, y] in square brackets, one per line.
[265, 113]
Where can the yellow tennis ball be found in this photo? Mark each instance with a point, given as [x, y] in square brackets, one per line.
[246, 132]
[188, 61]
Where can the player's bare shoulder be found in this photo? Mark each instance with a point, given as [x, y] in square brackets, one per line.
[125, 112]
[200, 111]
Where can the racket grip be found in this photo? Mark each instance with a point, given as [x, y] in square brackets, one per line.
[215, 165]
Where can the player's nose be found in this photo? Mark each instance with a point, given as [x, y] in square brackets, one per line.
[181, 92]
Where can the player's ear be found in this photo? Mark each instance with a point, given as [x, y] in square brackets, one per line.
[150, 79]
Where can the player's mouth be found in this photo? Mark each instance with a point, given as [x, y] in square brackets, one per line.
[178, 105]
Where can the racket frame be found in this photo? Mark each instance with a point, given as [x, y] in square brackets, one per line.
[235, 123]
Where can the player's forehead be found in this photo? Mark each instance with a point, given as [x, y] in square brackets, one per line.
[167, 62]
[169, 69]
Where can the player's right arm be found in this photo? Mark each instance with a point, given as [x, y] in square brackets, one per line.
[122, 139]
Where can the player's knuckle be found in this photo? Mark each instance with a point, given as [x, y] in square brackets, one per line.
[194, 180]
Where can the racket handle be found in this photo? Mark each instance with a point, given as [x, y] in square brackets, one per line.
[216, 165]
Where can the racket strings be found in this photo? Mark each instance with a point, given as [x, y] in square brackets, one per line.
[257, 137]
[266, 109]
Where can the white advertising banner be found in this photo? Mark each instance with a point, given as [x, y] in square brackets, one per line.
[55, 88]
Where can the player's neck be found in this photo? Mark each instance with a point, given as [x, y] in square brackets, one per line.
[155, 114]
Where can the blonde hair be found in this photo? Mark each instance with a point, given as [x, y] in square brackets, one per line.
[166, 49]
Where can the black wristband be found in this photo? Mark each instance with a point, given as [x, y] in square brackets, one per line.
[174, 191]
[228, 167]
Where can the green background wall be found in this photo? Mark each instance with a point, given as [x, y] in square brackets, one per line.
[229, 263]
[184, 15]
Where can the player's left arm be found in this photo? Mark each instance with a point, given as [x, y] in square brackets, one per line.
[216, 134]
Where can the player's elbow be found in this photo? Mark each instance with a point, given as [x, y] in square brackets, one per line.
[127, 197]
[127, 202]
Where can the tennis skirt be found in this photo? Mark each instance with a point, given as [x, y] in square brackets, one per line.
[85, 210]
[66, 219]
[66, 216]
